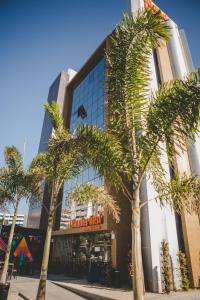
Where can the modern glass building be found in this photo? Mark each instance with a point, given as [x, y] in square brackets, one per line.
[92, 238]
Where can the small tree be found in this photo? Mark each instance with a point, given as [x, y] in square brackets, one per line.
[166, 267]
[61, 162]
[183, 271]
[15, 184]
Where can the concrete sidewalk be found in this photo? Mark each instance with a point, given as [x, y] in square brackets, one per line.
[60, 287]
[27, 286]
[98, 292]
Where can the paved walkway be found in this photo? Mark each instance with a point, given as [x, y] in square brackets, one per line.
[98, 292]
[28, 287]
[63, 288]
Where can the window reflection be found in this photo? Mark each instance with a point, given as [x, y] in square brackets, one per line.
[89, 94]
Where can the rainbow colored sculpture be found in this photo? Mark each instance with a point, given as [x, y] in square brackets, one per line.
[22, 249]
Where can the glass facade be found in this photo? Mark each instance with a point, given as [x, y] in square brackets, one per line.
[78, 255]
[90, 95]
[87, 108]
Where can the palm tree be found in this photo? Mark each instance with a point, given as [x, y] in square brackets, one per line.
[140, 130]
[60, 163]
[15, 184]
[63, 161]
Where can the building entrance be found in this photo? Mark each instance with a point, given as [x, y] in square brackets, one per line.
[83, 255]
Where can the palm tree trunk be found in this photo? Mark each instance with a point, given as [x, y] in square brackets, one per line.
[138, 282]
[8, 249]
[45, 260]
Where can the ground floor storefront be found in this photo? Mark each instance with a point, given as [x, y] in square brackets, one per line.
[95, 248]
[85, 255]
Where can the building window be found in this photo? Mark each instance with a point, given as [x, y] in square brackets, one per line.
[88, 108]
[155, 56]
[82, 112]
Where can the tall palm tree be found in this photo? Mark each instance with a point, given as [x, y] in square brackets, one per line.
[15, 184]
[139, 130]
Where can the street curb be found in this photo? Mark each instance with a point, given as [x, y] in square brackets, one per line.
[89, 296]
[23, 296]
[92, 296]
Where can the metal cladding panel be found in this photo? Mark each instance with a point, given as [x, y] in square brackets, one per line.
[47, 127]
[186, 51]
[175, 51]
[56, 93]
[136, 5]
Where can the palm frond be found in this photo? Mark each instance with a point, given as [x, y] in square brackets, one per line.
[54, 114]
[97, 195]
[61, 140]
[104, 152]
[6, 190]
[15, 182]
[13, 158]
[56, 165]
[128, 70]
[182, 194]
[33, 189]
[38, 165]
[174, 112]
[156, 169]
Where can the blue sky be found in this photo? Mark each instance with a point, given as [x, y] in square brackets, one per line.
[38, 39]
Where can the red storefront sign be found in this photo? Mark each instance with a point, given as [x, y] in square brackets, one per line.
[93, 220]
[155, 8]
